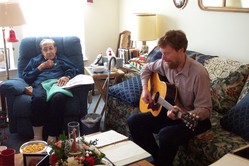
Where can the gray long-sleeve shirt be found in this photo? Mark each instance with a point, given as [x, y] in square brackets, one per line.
[193, 85]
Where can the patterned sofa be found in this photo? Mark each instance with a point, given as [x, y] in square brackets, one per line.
[230, 117]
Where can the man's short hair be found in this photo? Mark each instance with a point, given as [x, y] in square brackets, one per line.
[46, 41]
[175, 39]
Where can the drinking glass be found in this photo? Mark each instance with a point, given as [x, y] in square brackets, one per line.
[73, 135]
[7, 157]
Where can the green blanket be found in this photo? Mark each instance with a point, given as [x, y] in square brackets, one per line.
[51, 88]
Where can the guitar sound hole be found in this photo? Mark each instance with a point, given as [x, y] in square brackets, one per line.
[156, 97]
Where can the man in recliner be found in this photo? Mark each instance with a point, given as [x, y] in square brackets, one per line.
[40, 69]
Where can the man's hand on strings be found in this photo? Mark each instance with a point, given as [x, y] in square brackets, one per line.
[172, 114]
[146, 96]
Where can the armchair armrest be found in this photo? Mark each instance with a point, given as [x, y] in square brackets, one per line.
[13, 87]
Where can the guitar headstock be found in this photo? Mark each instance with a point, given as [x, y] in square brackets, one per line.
[190, 119]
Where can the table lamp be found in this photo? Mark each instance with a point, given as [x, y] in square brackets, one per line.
[10, 15]
[145, 29]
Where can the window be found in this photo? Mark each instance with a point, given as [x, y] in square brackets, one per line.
[49, 18]
[56, 17]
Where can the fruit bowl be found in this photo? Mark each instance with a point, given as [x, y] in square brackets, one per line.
[32, 147]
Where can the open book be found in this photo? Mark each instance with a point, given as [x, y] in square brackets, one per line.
[106, 138]
[230, 160]
[80, 79]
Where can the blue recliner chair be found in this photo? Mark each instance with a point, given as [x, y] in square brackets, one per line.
[18, 103]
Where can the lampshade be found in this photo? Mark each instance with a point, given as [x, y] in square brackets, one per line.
[146, 27]
[11, 14]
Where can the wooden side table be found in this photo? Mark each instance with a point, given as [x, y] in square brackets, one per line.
[101, 87]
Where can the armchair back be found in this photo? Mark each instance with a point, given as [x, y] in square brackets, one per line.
[68, 46]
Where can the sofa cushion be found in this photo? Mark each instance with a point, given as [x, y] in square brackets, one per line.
[227, 80]
[208, 147]
[128, 91]
[116, 115]
[236, 120]
[13, 86]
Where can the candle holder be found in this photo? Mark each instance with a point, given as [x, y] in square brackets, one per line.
[73, 137]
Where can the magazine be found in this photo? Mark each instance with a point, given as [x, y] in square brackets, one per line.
[80, 79]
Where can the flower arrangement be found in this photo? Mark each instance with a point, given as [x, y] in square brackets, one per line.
[87, 154]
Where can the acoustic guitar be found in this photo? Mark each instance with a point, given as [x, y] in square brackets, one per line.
[159, 90]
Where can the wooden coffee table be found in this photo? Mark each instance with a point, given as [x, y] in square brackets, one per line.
[118, 149]
[141, 163]
[124, 153]
[18, 159]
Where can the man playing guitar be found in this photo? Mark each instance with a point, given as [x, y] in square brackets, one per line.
[193, 84]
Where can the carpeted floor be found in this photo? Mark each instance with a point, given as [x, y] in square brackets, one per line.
[15, 141]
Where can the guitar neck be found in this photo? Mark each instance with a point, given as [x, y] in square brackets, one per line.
[190, 120]
[168, 106]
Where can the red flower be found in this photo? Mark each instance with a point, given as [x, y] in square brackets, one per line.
[58, 144]
[53, 159]
[90, 160]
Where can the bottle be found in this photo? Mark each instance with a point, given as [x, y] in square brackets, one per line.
[110, 54]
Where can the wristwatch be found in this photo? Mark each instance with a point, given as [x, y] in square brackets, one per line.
[68, 77]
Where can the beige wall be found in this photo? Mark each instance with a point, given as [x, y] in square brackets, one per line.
[217, 33]
[101, 27]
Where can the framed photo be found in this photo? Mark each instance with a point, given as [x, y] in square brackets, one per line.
[2, 60]
[124, 54]
[34, 159]
[134, 53]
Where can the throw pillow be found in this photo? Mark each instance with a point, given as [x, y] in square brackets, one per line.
[128, 91]
[236, 120]
[154, 55]
[199, 57]
[227, 80]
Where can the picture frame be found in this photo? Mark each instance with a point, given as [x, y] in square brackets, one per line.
[33, 159]
[124, 54]
[134, 53]
[2, 60]
[128, 54]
